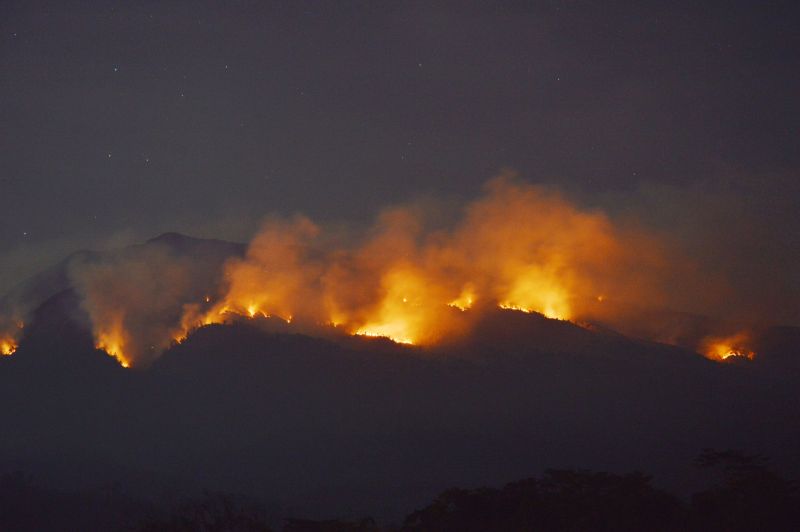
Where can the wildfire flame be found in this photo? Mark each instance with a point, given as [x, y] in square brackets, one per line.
[9, 337]
[394, 331]
[112, 341]
[8, 346]
[728, 347]
[519, 247]
[465, 299]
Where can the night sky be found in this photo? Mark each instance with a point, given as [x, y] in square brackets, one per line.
[122, 121]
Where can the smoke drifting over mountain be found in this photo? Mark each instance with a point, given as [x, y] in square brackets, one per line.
[133, 301]
[519, 246]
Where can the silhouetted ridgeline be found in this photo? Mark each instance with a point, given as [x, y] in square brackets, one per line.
[742, 495]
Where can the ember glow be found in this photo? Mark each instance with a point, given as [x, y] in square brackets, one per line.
[728, 347]
[7, 346]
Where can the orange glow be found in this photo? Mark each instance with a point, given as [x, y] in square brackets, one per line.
[391, 330]
[113, 341]
[465, 299]
[113, 346]
[8, 346]
[728, 347]
[266, 283]
[519, 247]
[401, 314]
[195, 316]
[533, 290]
[10, 335]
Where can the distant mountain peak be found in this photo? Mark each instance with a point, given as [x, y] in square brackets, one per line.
[185, 243]
[172, 237]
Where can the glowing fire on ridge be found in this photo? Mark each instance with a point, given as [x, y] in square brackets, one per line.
[728, 347]
[113, 346]
[7, 346]
[112, 341]
[465, 299]
[548, 312]
[519, 247]
[392, 331]
[10, 337]
[534, 290]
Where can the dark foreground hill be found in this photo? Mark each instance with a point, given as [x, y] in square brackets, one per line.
[743, 494]
[321, 428]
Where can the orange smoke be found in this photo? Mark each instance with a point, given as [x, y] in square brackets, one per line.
[134, 301]
[465, 299]
[520, 246]
[731, 347]
[275, 279]
[276, 276]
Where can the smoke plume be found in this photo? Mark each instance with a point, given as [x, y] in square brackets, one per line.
[518, 246]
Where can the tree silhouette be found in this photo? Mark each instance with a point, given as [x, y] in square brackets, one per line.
[212, 513]
[750, 497]
[561, 500]
[307, 525]
[745, 496]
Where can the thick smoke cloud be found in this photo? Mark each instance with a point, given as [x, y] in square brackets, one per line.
[412, 277]
[519, 246]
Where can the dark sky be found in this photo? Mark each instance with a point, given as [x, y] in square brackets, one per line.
[123, 120]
